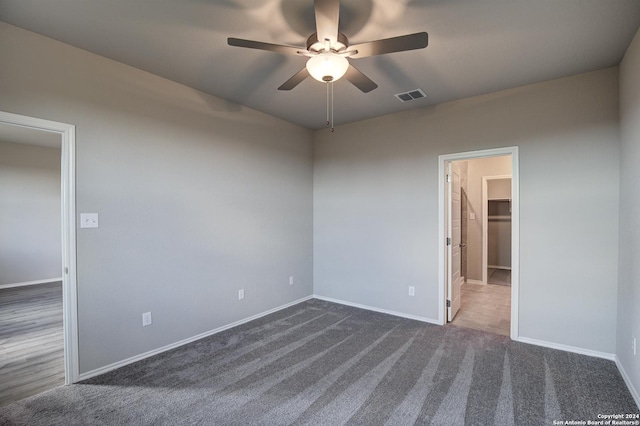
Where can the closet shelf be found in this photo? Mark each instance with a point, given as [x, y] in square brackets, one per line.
[507, 217]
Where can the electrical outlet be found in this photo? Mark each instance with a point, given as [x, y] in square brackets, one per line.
[88, 220]
[291, 280]
[412, 290]
[241, 294]
[146, 319]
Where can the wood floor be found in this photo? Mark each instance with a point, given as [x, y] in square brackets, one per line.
[485, 308]
[31, 341]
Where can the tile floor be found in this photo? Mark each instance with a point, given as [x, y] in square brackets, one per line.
[486, 308]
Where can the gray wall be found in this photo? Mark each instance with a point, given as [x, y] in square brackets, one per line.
[30, 234]
[197, 198]
[629, 270]
[376, 204]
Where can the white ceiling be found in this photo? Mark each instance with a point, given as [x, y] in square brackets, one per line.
[475, 46]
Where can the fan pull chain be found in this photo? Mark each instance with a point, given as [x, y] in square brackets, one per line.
[328, 103]
[332, 129]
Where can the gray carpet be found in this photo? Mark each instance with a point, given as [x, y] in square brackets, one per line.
[499, 276]
[319, 363]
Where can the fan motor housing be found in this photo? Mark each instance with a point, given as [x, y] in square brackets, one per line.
[315, 45]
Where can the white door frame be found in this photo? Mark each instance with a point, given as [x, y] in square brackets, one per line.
[515, 227]
[485, 222]
[69, 285]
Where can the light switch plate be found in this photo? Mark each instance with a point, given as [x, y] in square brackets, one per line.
[88, 220]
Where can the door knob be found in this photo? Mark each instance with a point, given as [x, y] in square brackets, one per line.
[463, 245]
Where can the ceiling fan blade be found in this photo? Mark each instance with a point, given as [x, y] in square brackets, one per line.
[390, 45]
[280, 48]
[361, 81]
[295, 80]
[327, 18]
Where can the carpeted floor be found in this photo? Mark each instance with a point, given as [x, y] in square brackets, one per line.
[319, 363]
[499, 276]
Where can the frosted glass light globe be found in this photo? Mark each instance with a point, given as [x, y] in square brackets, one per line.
[326, 67]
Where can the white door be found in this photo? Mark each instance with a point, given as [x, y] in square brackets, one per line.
[454, 279]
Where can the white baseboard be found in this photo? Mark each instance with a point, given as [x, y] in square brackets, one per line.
[124, 362]
[477, 282]
[383, 311]
[627, 381]
[567, 348]
[25, 283]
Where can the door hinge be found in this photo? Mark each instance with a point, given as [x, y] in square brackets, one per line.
[66, 270]
[448, 303]
[448, 178]
[448, 241]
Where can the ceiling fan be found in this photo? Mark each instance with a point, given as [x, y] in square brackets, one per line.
[328, 50]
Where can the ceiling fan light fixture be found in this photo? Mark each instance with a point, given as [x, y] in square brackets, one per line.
[327, 66]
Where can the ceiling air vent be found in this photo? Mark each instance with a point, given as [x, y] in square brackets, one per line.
[410, 95]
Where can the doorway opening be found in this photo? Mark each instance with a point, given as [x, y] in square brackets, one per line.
[43, 296]
[496, 230]
[479, 229]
